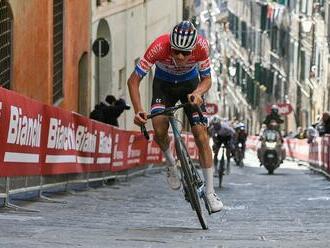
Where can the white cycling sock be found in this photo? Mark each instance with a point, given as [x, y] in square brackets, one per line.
[169, 157]
[208, 177]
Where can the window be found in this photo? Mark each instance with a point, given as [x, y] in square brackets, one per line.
[57, 50]
[316, 68]
[319, 7]
[274, 38]
[244, 31]
[102, 2]
[122, 79]
[5, 44]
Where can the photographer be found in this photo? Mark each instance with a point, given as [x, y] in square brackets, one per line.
[109, 111]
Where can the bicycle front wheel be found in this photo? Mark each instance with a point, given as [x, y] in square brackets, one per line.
[190, 182]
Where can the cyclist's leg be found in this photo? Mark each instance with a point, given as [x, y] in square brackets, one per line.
[216, 147]
[162, 97]
[199, 131]
[161, 125]
[198, 127]
[228, 146]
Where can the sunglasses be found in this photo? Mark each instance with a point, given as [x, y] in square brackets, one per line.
[184, 53]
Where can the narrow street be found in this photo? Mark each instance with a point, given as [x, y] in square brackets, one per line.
[288, 209]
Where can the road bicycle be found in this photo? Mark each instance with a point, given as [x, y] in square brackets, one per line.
[192, 182]
[220, 165]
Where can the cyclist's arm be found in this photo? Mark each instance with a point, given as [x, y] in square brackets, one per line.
[204, 70]
[203, 86]
[201, 89]
[133, 87]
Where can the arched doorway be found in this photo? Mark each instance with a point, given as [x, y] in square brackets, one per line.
[6, 26]
[83, 90]
[103, 78]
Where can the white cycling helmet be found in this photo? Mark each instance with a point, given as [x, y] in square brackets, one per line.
[216, 119]
[241, 126]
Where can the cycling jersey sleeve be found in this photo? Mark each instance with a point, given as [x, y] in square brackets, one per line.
[204, 60]
[153, 53]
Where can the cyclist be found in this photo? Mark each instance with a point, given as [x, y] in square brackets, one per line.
[241, 135]
[182, 70]
[221, 133]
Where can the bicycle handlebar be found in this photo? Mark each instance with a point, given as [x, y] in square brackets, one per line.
[169, 110]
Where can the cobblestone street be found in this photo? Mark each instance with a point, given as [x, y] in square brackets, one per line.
[288, 209]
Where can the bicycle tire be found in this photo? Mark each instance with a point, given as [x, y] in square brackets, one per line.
[221, 169]
[191, 187]
[228, 166]
[241, 157]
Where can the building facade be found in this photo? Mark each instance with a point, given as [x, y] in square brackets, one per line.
[129, 26]
[45, 50]
[280, 53]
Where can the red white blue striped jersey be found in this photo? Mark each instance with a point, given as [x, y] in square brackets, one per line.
[159, 53]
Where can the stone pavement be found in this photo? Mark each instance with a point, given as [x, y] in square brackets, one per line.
[288, 209]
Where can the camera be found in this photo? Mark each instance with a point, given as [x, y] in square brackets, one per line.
[122, 102]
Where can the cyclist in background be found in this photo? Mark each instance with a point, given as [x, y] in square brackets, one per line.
[241, 135]
[182, 70]
[221, 133]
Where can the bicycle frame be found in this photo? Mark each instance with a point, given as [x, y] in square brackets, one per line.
[193, 185]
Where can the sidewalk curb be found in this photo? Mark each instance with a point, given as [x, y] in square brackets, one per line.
[318, 170]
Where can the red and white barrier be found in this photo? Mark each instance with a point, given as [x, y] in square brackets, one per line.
[37, 139]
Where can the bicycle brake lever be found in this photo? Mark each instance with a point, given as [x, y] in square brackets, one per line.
[145, 132]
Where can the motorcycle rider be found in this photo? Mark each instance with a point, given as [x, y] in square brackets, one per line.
[272, 118]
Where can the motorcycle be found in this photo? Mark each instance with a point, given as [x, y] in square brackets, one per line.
[271, 153]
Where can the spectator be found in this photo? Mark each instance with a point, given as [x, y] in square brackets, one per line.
[290, 135]
[301, 134]
[312, 134]
[323, 127]
[109, 111]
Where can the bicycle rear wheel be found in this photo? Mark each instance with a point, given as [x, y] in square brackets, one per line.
[190, 182]
[221, 169]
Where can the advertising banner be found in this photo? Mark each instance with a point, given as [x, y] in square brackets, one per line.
[119, 150]
[154, 154]
[37, 139]
[103, 154]
[59, 143]
[22, 122]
